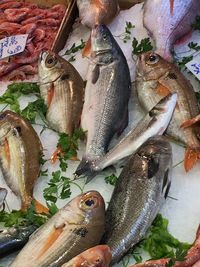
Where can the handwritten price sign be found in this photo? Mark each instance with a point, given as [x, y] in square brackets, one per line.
[12, 45]
[194, 66]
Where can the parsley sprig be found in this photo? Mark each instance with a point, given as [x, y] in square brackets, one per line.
[111, 179]
[126, 36]
[73, 50]
[139, 48]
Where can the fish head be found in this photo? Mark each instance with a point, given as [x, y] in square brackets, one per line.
[151, 66]
[50, 67]
[101, 44]
[99, 256]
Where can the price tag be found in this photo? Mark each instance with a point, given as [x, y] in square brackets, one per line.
[12, 45]
[194, 66]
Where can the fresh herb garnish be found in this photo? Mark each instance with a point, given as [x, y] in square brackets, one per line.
[73, 50]
[184, 61]
[18, 217]
[111, 179]
[126, 36]
[144, 46]
[194, 46]
[15, 91]
[196, 24]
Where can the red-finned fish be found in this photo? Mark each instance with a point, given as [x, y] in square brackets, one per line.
[99, 256]
[157, 78]
[169, 20]
[76, 227]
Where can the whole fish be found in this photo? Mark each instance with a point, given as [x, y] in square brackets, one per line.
[14, 238]
[107, 92]
[157, 78]
[93, 12]
[76, 227]
[154, 123]
[139, 193]
[3, 194]
[61, 87]
[99, 256]
[20, 151]
[169, 20]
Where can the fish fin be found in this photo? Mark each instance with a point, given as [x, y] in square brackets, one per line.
[98, 4]
[85, 169]
[7, 150]
[55, 155]
[162, 90]
[50, 94]
[52, 237]
[40, 208]
[87, 49]
[171, 7]
[190, 122]
[95, 73]
[192, 155]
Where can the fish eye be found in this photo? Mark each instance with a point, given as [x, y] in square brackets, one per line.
[2, 115]
[50, 61]
[152, 59]
[89, 203]
[17, 131]
[104, 37]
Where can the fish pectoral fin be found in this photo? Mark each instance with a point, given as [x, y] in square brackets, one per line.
[192, 155]
[52, 237]
[87, 49]
[50, 94]
[191, 122]
[40, 208]
[55, 155]
[7, 150]
[162, 90]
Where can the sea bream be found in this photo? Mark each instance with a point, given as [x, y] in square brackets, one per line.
[140, 191]
[99, 256]
[157, 78]
[93, 12]
[155, 122]
[77, 226]
[169, 20]
[105, 110]
[20, 152]
[62, 89]
[3, 194]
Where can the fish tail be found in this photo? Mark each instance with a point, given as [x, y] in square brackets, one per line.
[192, 155]
[40, 208]
[85, 168]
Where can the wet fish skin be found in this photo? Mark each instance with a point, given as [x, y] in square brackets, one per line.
[20, 151]
[105, 110]
[99, 256]
[14, 238]
[3, 194]
[76, 227]
[139, 193]
[156, 78]
[96, 12]
[168, 23]
[155, 122]
[62, 89]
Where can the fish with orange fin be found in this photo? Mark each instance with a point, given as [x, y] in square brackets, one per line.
[78, 226]
[155, 78]
[93, 12]
[192, 259]
[62, 89]
[99, 256]
[20, 151]
[168, 20]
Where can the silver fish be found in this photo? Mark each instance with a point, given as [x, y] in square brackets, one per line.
[76, 227]
[154, 123]
[105, 110]
[169, 20]
[3, 194]
[139, 193]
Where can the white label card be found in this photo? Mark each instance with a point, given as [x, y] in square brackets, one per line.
[12, 45]
[194, 66]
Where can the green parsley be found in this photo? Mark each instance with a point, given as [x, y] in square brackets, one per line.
[184, 61]
[73, 50]
[139, 48]
[196, 24]
[111, 179]
[126, 36]
[194, 46]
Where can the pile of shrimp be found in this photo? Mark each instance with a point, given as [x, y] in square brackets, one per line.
[41, 25]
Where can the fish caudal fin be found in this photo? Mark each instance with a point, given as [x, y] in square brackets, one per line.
[40, 208]
[192, 155]
[85, 169]
[191, 122]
